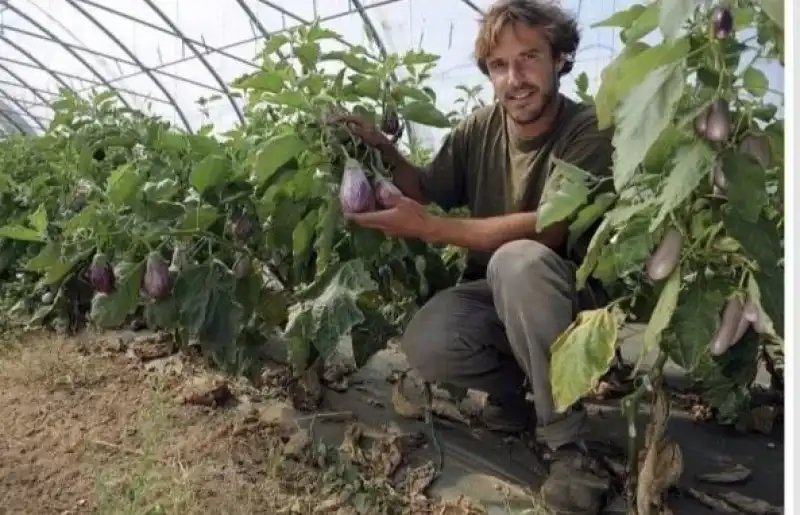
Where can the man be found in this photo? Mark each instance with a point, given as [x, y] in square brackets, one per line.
[494, 329]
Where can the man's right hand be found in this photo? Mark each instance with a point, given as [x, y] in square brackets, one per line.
[368, 132]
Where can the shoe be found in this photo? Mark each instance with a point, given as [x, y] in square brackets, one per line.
[507, 416]
[577, 483]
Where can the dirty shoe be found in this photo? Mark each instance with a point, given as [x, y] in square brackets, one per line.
[577, 484]
[508, 415]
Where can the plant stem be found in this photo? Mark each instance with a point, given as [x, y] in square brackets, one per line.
[630, 407]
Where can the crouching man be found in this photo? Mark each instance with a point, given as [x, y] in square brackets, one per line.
[493, 331]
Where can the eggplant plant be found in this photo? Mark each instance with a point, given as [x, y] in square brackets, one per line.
[690, 242]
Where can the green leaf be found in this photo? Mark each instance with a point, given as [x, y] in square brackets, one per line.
[755, 82]
[223, 321]
[601, 236]
[352, 61]
[746, 185]
[607, 95]
[692, 163]
[644, 114]
[588, 216]
[694, 324]
[672, 14]
[328, 309]
[425, 113]
[402, 91]
[275, 153]
[646, 23]
[21, 233]
[581, 355]
[771, 281]
[110, 311]
[636, 67]
[760, 240]
[564, 193]
[662, 313]
[123, 185]
[622, 19]
[274, 43]
[371, 335]
[38, 220]
[774, 9]
[199, 218]
[210, 172]
[271, 81]
[630, 250]
[192, 294]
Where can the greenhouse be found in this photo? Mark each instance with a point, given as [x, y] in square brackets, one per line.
[392, 256]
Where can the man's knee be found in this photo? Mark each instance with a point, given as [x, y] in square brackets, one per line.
[521, 260]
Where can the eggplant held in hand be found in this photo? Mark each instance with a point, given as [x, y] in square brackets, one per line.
[385, 190]
[355, 191]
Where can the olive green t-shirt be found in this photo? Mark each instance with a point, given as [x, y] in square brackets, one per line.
[484, 168]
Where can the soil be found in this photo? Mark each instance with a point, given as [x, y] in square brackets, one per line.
[102, 425]
[119, 423]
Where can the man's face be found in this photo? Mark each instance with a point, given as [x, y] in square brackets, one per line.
[522, 72]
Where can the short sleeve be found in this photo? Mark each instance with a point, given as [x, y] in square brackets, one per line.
[444, 178]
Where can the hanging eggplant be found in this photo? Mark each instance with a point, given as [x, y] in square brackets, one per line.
[731, 329]
[722, 21]
[666, 257]
[718, 122]
[757, 147]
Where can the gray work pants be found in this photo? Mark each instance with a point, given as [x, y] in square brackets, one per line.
[490, 335]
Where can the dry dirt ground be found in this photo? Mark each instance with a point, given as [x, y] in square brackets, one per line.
[101, 425]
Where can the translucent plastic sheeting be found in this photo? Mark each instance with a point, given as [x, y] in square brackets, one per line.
[164, 55]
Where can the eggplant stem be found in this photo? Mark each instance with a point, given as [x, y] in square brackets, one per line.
[630, 407]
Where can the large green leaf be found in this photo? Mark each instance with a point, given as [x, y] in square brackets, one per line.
[694, 323]
[564, 193]
[755, 82]
[645, 23]
[636, 67]
[622, 19]
[774, 9]
[689, 167]
[276, 152]
[21, 233]
[192, 293]
[771, 281]
[673, 13]
[588, 216]
[595, 250]
[642, 117]
[632, 247]
[760, 240]
[210, 172]
[663, 311]
[746, 185]
[123, 185]
[109, 311]
[425, 113]
[581, 355]
[328, 308]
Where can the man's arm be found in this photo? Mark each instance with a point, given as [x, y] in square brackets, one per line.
[488, 234]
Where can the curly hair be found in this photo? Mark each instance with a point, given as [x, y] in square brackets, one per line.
[559, 25]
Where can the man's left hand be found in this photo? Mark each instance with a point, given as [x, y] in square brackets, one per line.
[404, 218]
